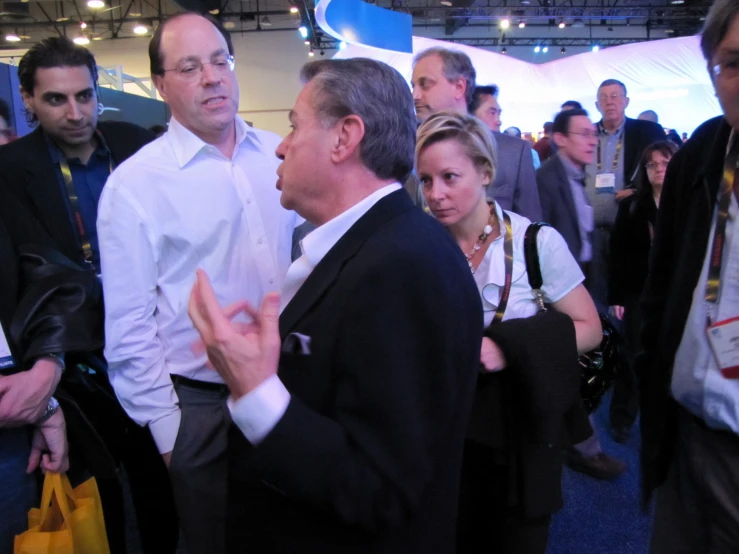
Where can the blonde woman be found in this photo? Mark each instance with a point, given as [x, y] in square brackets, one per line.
[456, 162]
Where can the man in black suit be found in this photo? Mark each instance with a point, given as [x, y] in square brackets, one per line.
[57, 174]
[622, 141]
[689, 394]
[351, 410]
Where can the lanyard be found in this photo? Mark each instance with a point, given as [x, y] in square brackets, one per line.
[729, 184]
[508, 251]
[619, 144]
[75, 203]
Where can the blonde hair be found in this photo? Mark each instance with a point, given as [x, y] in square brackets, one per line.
[477, 140]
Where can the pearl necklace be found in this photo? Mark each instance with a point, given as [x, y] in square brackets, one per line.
[482, 238]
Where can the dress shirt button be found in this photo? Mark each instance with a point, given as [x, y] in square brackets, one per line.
[260, 240]
[248, 200]
[271, 281]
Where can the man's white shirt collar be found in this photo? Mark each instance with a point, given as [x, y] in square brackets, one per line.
[187, 144]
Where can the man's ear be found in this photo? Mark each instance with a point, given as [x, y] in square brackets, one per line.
[349, 135]
[460, 88]
[559, 139]
[158, 81]
[27, 99]
[627, 102]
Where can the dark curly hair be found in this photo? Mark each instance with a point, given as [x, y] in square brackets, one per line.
[53, 52]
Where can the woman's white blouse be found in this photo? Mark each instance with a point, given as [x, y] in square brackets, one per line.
[559, 269]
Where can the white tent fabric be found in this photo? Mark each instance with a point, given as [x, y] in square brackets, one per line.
[667, 76]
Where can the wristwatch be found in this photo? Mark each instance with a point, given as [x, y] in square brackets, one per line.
[58, 358]
[51, 409]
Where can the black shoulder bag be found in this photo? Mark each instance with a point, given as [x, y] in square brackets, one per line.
[599, 367]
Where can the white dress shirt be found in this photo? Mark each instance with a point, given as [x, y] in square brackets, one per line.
[560, 272]
[257, 412]
[697, 382]
[175, 206]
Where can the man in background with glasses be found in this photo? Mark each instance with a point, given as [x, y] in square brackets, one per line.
[611, 179]
[688, 370]
[201, 196]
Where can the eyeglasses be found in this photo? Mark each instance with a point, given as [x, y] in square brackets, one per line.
[613, 98]
[586, 134]
[651, 166]
[192, 69]
[728, 69]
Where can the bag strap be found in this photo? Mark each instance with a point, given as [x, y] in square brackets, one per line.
[57, 485]
[533, 267]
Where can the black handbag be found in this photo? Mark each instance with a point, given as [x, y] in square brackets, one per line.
[599, 367]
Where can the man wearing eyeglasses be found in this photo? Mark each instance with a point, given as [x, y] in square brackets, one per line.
[688, 370]
[201, 196]
[610, 179]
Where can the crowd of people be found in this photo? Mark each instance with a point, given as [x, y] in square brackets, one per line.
[330, 342]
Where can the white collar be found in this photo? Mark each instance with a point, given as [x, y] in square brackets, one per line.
[316, 244]
[187, 144]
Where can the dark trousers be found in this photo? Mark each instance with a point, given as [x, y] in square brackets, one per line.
[697, 510]
[486, 522]
[625, 400]
[18, 492]
[198, 469]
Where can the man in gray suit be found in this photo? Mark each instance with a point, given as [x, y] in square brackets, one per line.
[565, 206]
[445, 80]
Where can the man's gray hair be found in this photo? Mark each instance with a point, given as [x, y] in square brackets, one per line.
[611, 82]
[380, 96]
[456, 65]
[719, 19]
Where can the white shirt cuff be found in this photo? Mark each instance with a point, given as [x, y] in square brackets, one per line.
[165, 429]
[257, 412]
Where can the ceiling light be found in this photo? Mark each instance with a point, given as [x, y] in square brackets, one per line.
[140, 29]
[229, 25]
[595, 48]
[95, 4]
[97, 38]
[134, 14]
[306, 42]
[678, 2]
[545, 49]
[522, 24]
[504, 51]
[537, 49]
[342, 45]
[562, 24]
[82, 40]
[214, 12]
[266, 22]
[12, 37]
[505, 23]
[446, 3]
[303, 30]
[25, 37]
[563, 51]
[83, 25]
[311, 53]
[62, 19]
[526, 2]
[293, 9]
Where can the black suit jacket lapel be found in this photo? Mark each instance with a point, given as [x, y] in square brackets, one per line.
[567, 190]
[42, 185]
[325, 273]
[633, 148]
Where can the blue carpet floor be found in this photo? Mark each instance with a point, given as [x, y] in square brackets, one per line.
[602, 517]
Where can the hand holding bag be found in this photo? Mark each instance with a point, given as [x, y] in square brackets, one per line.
[599, 367]
[69, 521]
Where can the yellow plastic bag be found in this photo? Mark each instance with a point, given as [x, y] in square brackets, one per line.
[68, 521]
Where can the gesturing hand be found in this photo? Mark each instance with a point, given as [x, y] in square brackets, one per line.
[243, 355]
